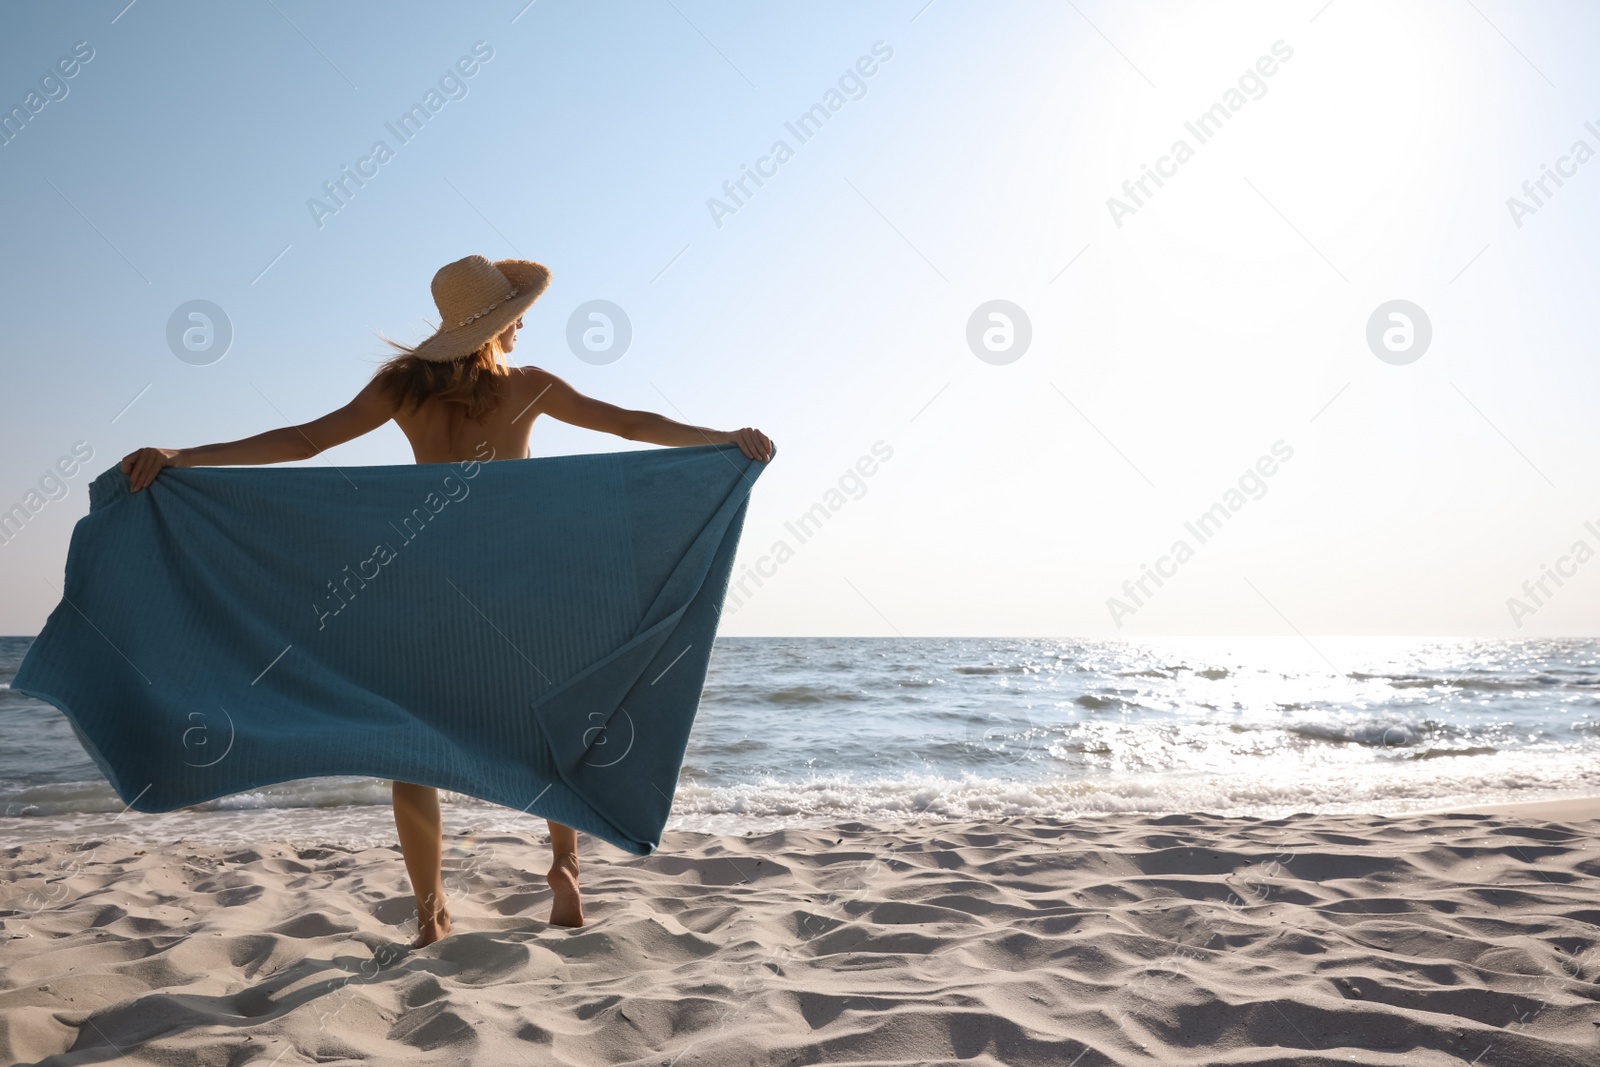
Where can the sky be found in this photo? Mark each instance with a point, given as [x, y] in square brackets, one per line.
[1348, 323]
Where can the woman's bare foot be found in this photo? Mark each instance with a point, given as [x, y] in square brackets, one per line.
[431, 928]
[566, 907]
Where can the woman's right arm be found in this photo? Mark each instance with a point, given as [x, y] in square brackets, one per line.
[370, 409]
[561, 401]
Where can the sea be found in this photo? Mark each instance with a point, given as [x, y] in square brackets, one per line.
[825, 731]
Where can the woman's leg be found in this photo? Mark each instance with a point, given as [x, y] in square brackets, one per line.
[566, 907]
[416, 817]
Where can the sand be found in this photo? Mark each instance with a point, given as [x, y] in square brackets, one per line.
[1416, 940]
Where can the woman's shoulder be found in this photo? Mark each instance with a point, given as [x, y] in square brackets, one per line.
[533, 378]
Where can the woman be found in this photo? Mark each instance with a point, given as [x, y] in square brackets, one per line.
[455, 398]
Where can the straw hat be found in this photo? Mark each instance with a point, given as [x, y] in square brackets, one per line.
[477, 300]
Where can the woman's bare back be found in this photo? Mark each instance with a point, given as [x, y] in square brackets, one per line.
[441, 432]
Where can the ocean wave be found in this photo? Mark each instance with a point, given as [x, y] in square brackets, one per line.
[1424, 783]
[1378, 733]
[1439, 753]
[1589, 727]
[1102, 703]
[59, 798]
[1474, 779]
[1500, 684]
[794, 694]
[807, 694]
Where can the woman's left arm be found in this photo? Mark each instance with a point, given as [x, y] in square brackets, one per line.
[371, 408]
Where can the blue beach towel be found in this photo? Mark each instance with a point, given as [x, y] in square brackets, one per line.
[531, 632]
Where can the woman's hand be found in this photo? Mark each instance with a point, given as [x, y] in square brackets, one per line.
[142, 466]
[753, 443]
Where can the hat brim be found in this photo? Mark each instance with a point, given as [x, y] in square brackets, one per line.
[451, 342]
